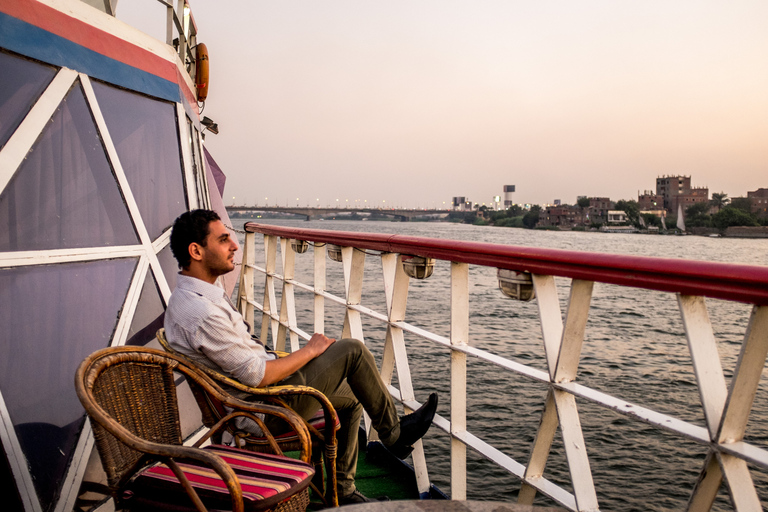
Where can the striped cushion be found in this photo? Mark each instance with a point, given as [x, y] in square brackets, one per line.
[265, 479]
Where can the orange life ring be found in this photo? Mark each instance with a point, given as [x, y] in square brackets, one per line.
[201, 71]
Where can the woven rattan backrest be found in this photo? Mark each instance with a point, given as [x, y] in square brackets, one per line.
[210, 410]
[137, 392]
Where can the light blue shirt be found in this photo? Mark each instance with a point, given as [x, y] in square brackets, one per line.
[202, 324]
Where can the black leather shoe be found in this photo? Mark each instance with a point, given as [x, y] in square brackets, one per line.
[413, 427]
[358, 497]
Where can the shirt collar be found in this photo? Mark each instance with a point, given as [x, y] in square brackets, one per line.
[212, 292]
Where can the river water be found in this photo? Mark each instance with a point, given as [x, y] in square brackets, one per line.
[634, 349]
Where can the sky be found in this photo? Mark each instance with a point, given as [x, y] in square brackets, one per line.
[408, 103]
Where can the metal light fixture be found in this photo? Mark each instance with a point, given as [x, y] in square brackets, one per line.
[212, 126]
[516, 285]
[418, 267]
[334, 252]
[299, 246]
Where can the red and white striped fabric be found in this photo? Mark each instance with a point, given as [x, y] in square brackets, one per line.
[265, 479]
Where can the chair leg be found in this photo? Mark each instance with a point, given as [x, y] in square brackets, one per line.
[319, 480]
[330, 469]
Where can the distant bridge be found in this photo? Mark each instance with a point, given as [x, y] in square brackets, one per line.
[310, 212]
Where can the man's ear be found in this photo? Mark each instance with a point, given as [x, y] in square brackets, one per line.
[196, 251]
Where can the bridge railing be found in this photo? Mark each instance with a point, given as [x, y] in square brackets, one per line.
[726, 404]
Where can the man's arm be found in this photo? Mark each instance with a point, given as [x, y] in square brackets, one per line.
[278, 369]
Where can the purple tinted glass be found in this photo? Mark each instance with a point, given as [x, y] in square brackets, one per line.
[146, 137]
[149, 314]
[8, 491]
[64, 194]
[21, 83]
[170, 266]
[45, 336]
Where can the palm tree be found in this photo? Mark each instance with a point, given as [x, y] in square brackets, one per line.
[719, 200]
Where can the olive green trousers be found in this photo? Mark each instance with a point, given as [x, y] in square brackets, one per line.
[346, 373]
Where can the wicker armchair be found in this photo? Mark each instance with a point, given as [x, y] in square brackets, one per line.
[129, 394]
[322, 426]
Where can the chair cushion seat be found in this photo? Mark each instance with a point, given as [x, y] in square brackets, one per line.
[265, 479]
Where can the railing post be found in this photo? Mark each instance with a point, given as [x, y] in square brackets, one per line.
[354, 264]
[562, 346]
[706, 360]
[169, 24]
[396, 283]
[319, 285]
[287, 300]
[245, 292]
[730, 413]
[459, 337]
[268, 318]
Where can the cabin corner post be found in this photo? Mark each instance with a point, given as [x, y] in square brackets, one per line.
[459, 338]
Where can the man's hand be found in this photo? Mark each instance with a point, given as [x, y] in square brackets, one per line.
[318, 344]
[278, 369]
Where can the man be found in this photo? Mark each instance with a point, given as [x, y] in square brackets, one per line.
[202, 323]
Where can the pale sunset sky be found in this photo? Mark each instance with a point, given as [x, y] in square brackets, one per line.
[414, 102]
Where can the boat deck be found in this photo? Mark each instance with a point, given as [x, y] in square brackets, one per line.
[380, 474]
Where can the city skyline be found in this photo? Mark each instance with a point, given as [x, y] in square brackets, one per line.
[421, 101]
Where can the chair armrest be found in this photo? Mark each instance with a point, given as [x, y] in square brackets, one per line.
[241, 408]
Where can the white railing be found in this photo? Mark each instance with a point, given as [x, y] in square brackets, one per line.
[726, 407]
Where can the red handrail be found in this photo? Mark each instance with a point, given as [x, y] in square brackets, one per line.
[741, 283]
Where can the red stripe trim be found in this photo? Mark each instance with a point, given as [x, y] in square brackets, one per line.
[188, 93]
[260, 475]
[90, 37]
[742, 283]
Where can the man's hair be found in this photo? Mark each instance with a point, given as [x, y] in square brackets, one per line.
[190, 228]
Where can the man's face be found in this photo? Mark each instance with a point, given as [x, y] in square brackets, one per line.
[219, 251]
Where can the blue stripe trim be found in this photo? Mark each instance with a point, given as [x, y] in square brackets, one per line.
[31, 41]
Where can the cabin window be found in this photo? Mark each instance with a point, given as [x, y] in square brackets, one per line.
[170, 266]
[64, 194]
[39, 354]
[21, 84]
[149, 314]
[146, 136]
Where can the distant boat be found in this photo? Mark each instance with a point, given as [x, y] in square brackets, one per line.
[680, 220]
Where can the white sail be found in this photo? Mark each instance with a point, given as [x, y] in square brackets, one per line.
[663, 224]
[680, 220]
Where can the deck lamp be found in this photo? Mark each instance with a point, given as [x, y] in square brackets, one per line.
[418, 267]
[516, 285]
[334, 252]
[299, 246]
[212, 126]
